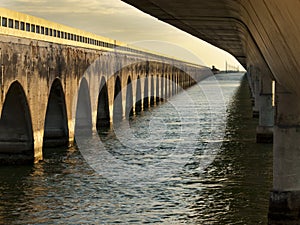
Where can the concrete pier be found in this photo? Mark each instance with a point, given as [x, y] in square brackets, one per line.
[256, 92]
[285, 196]
[264, 131]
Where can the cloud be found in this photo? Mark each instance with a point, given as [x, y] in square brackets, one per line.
[29, 1]
[108, 7]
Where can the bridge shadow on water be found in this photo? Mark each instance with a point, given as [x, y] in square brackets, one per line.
[235, 187]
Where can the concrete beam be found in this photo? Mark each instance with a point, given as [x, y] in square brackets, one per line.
[250, 30]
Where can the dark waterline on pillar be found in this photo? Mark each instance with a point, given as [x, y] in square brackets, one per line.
[232, 189]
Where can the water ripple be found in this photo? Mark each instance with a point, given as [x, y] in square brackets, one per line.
[213, 177]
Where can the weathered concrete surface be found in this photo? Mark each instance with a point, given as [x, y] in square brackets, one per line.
[264, 131]
[286, 171]
[284, 208]
[48, 90]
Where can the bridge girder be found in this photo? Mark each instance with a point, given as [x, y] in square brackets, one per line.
[258, 33]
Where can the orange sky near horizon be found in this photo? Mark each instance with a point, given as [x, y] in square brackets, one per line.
[117, 20]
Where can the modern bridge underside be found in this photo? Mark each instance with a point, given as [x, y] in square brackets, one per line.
[264, 36]
[263, 33]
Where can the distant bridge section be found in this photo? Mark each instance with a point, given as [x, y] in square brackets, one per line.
[56, 81]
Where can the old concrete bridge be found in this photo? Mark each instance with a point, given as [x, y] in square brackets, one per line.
[55, 79]
[264, 36]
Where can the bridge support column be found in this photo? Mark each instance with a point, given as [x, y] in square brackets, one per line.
[251, 83]
[256, 90]
[264, 131]
[254, 84]
[38, 145]
[284, 207]
[71, 126]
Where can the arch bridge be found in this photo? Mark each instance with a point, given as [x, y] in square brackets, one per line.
[56, 81]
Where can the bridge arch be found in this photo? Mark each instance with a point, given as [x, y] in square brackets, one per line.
[186, 79]
[103, 118]
[138, 101]
[56, 131]
[166, 87]
[152, 91]
[83, 119]
[162, 85]
[129, 99]
[16, 133]
[176, 83]
[157, 89]
[117, 107]
[173, 83]
[146, 94]
[169, 85]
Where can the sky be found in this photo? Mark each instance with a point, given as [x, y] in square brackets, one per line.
[117, 20]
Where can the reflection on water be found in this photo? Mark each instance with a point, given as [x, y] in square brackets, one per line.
[209, 175]
[235, 186]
